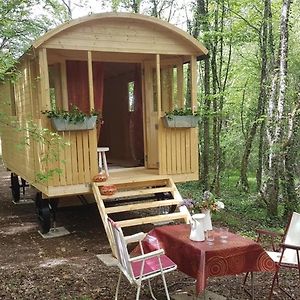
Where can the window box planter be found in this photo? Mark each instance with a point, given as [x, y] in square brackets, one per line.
[180, 121]
[61, 124]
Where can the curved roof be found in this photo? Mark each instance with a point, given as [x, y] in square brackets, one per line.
[155, 24]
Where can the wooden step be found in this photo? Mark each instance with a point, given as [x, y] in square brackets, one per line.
[138, 192]
[138, 206]
[135, 190]
[135, 183]
[152, 219]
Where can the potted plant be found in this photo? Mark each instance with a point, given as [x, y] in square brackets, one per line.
[74, 119]
[181, 118]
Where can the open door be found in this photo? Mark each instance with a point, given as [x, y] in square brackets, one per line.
[151, 115]
[172, 151]
[122, 130]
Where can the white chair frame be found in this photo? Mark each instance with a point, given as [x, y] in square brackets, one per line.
[286, 256]
[125, 261]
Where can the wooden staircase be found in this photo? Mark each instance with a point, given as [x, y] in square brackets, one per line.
[140, 194]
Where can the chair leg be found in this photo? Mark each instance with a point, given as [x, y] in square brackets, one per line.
[245, 278]
[165, 285]
[150, 289]
[137, 297]
[118, 285]
[275, 278]
[251, 294]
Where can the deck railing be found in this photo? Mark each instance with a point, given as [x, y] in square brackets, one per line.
[77, 160]
[178, 150]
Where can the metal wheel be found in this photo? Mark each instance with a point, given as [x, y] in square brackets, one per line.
[15, 186]
[43, 213]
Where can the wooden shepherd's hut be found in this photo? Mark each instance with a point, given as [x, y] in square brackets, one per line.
[131, 68]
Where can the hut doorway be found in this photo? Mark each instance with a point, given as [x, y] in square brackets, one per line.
[122, 129]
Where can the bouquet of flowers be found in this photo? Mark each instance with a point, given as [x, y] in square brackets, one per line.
[208, 202]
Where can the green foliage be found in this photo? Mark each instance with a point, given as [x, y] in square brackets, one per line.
[243, 213]
[74, 115]
[50, 142]
[21, 22]
[182, 112]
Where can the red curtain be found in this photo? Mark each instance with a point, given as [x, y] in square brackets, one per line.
[78, 85]
[77, 81]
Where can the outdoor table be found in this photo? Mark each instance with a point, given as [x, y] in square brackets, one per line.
[201, 260]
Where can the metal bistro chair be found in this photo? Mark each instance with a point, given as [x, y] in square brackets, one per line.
[288, 253]
[142, 267]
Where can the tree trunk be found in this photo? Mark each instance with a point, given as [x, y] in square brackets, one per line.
[202, 22]
[261, 146]
[263, 43]
[290, 199]
[275, 118]
[206, 130]
[220, 69]
[289, 151]
[215, 185]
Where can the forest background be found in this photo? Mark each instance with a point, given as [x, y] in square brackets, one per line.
[248, 89]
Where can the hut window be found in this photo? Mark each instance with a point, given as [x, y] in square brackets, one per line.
[131, 97]
[55, 86]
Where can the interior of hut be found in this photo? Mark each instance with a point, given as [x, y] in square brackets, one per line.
[122, 130]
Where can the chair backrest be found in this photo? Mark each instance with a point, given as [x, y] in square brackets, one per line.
[292, 236]
[121, 249]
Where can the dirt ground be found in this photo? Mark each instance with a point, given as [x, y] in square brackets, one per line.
[67, 268]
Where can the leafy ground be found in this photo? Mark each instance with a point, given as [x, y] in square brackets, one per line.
[67, 268]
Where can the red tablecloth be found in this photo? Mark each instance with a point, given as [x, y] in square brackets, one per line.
[200, 260]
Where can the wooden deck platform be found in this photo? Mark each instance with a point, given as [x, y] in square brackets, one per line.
[118, 176]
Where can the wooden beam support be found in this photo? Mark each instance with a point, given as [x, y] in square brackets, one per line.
[180, 85]
[44, 80]
[64, 86]
[91, 82]
[158, 86]
[193, 82]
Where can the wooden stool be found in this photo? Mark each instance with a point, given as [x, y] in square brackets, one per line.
[102, 159]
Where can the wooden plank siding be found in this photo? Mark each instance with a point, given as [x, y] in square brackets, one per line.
[132, 36]
[18, 156]
[78, 160]
[178, 153]
[18, 147]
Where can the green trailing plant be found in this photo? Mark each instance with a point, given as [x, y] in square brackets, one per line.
[49, 142]
[181, 112]
[74, 115]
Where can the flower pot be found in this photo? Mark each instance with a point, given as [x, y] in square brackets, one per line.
[61, 124]
[180, 121]
[101, 177]
[108, 190]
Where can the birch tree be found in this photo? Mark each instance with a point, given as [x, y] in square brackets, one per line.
[275, 118]
[265, 38]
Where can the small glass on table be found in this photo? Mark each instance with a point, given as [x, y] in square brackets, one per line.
[223, 234]
[210, 236]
